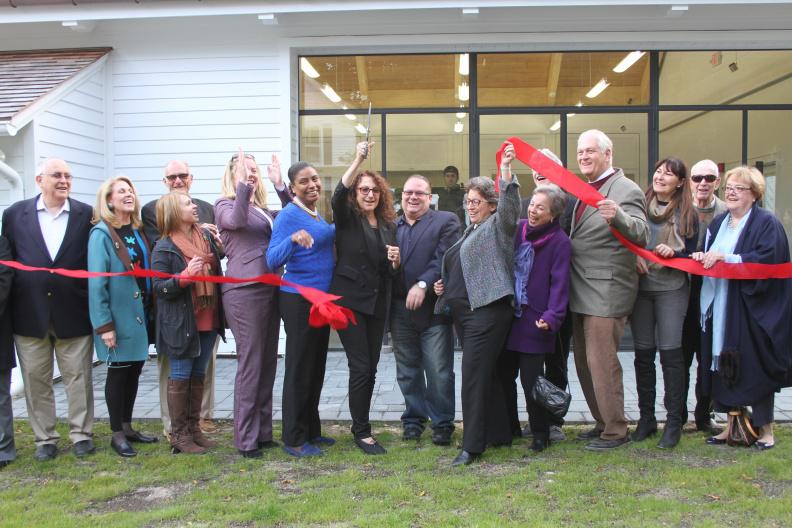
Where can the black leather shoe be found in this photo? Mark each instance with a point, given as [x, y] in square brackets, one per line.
[370, 449]
[672, 433]
[644, 430]
[764, 446]
[46, 452]
[540, 442]
[141, 438]
[84, 448]
[709, 427]
[4, 463]
[600, 444]
[714, 440]
[526, 432]
[442, 437]
[412, 433]
[123, 448]
[591, 434]
[252, 453]
[465, 459]
[269, 444]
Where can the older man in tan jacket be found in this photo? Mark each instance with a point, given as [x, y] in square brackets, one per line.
[604, 283]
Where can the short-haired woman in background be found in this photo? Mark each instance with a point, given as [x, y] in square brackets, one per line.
[189, 313]
[120, 306]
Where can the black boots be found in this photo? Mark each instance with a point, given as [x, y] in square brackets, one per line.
[645, 386]
[674, 382]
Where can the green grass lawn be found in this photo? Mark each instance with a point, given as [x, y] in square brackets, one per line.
[413, 485]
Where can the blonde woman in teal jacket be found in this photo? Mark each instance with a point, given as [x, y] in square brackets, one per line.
[119, 306]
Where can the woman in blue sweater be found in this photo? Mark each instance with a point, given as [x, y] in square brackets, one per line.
[302, 241]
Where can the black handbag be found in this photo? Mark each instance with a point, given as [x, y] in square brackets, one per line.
[553, 399]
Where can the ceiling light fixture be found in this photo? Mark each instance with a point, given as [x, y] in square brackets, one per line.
[360, 128]
[330, 93]
[464, 64]
[308, 68]
[268, 19]
[630, 59]
[464, 92]
[459, 127]
[351, 117]
[597, 89]
[460, 115]
[470, 11]
[555, 126]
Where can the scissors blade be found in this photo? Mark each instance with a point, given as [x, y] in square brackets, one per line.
[368, 127]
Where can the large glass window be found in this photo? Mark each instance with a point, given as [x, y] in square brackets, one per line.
[770, 149]
[562, 79]
[387, 81]
[693, 136]
[725, 77]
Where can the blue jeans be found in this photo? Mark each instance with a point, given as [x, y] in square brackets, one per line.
[431, 353]
[184, 369]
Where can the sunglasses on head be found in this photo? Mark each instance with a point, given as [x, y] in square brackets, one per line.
[709, 177]
[248, 156]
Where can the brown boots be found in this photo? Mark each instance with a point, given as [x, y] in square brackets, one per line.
[180, 398]
[194, 417]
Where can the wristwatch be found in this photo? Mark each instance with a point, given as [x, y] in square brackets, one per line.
[422, 284]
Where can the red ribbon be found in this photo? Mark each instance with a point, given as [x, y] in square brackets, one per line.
[323, 310]
[590, 196]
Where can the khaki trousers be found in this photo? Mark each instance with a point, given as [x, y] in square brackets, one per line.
[599, 371]
[208, 402]
[75, 357]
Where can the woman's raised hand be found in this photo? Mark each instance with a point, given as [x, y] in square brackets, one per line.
[274, 172]
[363, 150]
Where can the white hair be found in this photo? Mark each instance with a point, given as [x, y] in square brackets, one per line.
[603, 141]
[706, 166]
[550, 154]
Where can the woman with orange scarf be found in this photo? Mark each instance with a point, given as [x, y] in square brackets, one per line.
[189, 314]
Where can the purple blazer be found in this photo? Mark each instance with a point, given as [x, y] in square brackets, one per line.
[547, 289]
[245, 232]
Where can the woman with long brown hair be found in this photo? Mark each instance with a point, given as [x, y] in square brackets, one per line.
[367, 259]
[662, 300]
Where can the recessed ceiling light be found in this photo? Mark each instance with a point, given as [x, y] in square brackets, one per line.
[597, 89]
[308, 68]
[630, 59]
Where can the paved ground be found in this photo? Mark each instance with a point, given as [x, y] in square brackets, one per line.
[388, 402]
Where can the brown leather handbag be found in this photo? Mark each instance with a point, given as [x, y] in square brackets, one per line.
[740, 431]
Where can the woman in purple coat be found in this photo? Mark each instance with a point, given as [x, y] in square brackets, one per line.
[251, 309]
[541, 271]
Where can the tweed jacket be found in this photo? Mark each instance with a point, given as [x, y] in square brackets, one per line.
[487, 252]
[604, 280]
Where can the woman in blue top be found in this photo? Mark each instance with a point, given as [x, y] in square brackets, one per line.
[119, 306]
[302, 241]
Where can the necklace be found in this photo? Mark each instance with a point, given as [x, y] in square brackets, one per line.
[733, 222]
[298, 203]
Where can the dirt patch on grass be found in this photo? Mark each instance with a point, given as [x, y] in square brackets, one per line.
[775, 488]
[140, 499]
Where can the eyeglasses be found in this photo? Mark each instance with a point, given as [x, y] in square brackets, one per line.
[736, 189]
[419, 194]
[474, 202]
[709, 177]
[60, 175]
[182, 176]
[366, 190]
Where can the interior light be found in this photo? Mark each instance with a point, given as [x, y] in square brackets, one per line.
[630, 59]
[464, 64]
[308, 68]
[360, 128]
[579, 103]
[330, 93]
[464, 92]
[597, 89]
[459, 127]
[571, 115]
[555, 126]
[351, 117]
[470, 11]
[268, 19]
[460, 115]
[69, 23]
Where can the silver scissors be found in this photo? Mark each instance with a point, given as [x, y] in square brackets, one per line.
[368, 130]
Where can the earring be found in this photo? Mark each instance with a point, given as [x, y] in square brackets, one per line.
[110, 206]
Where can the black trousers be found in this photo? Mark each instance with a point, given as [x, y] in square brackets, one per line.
[306, 357]
[121, 387]
[362, 343]
[691, 347]
[484, 413]
[530, 366]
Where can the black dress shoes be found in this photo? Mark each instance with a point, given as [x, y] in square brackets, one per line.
[465, 459]
[268, 444]
[709, 426]
[370, 449]
[600, 444]
[83, 448]
[540, 442]
[412, 433]
[442, 437]
[141, 438]
[252, 453]
[46, 452]
[764, 446]
[714, 440]
[123, 448]
[4, 463]
[591, 434]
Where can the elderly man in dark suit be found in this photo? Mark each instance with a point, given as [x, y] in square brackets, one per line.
[50, 312]
[604, 284]
[7, 363]
[423, 343]
[178, 177]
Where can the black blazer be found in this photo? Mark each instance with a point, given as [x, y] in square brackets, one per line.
[7, 360]
[148, 214]
[40, 299]
[432, 235]
[359, 266]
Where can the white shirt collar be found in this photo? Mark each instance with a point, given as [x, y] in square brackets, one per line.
[40, 206]
[605, 174]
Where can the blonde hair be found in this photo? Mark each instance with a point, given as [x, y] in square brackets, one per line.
[229, 187]
[102, 211]
[752, 176]
[169, 212]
